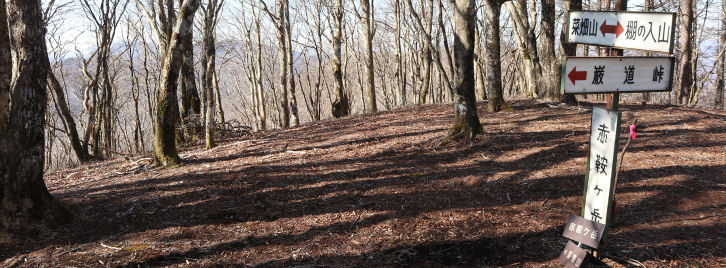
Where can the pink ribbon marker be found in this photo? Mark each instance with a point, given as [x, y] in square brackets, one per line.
[632, 131]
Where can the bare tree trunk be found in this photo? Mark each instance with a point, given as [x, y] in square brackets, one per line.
[400, 72]
[67, 118]
[550, 75]
[220, 109]
[208, 61]
[367, 20]
[341, 106]
[492, 9]
[527, 46]
[190, 104]
[25, 203]
[426, 53]
[6, 64]
[282, 54]
[294, 118]
[479, 69]
[466, 120]
[164, 139]
[261, 109]
[720, 73]
[685, 72]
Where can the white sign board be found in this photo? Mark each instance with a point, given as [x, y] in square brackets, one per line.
[636, 30]
[601, 164]
[588, 75]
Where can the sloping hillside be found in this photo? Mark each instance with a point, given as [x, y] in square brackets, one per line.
[378, 190]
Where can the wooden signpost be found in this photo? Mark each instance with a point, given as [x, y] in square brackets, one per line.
[597, 75]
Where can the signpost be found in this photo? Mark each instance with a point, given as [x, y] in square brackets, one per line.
[584, 231]
[572, 256]
[600, 177]
[622, 29]
[597, 75]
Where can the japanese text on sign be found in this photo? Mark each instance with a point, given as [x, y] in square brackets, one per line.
[585, 231]
[585, 75]
[600, 175]
[638, 30]
[572, 255]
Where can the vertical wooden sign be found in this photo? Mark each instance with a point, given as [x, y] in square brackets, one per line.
[600, 176]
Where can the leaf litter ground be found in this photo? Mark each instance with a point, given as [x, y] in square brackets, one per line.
[377, 190]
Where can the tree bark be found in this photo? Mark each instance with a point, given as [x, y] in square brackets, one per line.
[341, 106]
[685, 71]
[466, 120]
[368, 22]
[209, 68]
[190, 104]
[164, 138]
[260, 96]
[27, 207]
[550, 75]
[479, 69]
[6, 64]
[527, 46]
[718, 103]
[492, 10]
[400, 72]
[294, 118]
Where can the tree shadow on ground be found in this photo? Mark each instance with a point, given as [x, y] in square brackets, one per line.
[424, 180]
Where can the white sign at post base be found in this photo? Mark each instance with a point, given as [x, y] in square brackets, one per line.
[601, 164]
[637, 30]
[596, 75]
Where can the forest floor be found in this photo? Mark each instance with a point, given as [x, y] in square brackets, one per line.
[377, 190]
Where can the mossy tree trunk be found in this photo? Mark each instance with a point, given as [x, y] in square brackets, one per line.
[26, 206]
[164, 138]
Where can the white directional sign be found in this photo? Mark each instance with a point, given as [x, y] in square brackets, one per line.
[637, 30]
[601, 165]
[588, 75]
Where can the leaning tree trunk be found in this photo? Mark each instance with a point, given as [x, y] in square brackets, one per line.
[164, 139]
[67, 118]
[26, 206]
[466, 119]
[492, 9]
[341, 106]
[685, 71]
[368, 22]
